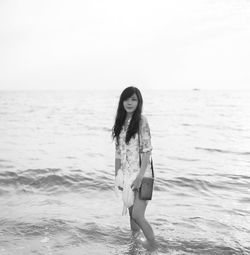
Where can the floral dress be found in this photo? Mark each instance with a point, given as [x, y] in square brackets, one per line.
[129, 153]
[130, 161]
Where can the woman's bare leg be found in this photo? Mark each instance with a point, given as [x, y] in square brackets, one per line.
[134, 226]
[138, 212]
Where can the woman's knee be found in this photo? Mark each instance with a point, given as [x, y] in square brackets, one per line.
[137, 216]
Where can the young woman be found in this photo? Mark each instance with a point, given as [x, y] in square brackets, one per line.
[129, 124]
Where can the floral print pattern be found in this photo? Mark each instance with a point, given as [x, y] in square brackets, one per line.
[129, 153]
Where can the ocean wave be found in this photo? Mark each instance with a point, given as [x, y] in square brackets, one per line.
[175, 184]
[244, 153]
[23, 228]
[192, 186]
[81, 231]
[204, 247]
[233, 128]
[184, 159]
[56, 180]
[52, 180]
[75, 233]
[6, 166]
[4, 160]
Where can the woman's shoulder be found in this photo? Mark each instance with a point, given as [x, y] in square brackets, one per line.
[144, 122]
[144, 128]
[144, 119]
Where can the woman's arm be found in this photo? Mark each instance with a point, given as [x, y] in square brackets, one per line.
[144, 163]
[117, 165]
[145, 159]
[145, 150]
[117, 158]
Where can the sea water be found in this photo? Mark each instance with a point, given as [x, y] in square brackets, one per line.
[57, 173]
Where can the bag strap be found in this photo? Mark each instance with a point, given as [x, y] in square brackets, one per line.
[139, 140]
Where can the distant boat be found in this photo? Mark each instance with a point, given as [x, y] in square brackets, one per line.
[195, 89]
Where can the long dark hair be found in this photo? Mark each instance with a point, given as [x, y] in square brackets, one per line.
[121, 115]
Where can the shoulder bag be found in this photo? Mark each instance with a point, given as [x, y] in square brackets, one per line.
[147, 184]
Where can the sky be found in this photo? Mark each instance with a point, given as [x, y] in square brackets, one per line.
[97, 44]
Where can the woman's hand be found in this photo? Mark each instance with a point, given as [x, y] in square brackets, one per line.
[136, 184]
[119, 179]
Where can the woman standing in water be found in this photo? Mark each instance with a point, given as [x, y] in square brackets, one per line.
[132, 135]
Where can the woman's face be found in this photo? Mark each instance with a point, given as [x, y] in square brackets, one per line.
[131, 103]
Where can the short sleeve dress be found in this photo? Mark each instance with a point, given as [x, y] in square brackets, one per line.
[129, 153]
